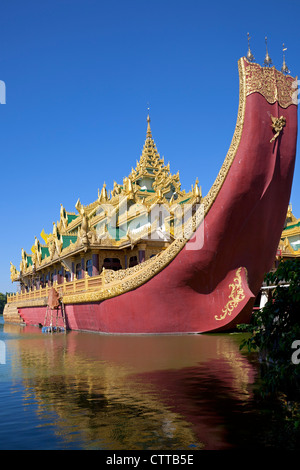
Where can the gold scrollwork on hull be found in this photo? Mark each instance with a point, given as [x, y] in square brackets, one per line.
[235, 297]
[271, 84]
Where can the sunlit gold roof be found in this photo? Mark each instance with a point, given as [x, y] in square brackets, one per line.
[150, 182]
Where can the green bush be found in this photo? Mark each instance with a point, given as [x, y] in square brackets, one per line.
[275, 328]
[3, 300]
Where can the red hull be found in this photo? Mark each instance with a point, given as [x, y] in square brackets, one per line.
[213, 288]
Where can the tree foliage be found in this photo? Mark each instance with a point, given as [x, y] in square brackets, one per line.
[3, 300]
[275, 330]
[275, 335]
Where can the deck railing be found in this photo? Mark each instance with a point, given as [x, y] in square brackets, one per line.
[87, 284]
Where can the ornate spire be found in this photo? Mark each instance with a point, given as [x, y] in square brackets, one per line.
[284, 68]
[268, 60]
[149, 134]
[149, 156]
[102, 197]
[249, 56]
[197, 191]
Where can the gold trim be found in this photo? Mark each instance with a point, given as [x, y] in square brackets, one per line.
[277, 126]
[270, 83]
[235, 297]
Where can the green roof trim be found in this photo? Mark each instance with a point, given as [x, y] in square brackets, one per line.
[71, 217]
[116, 233]
[67, 239]
[45, 252]
[288, 227]
[185, 200]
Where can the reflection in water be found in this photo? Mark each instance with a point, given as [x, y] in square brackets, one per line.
[135, 392]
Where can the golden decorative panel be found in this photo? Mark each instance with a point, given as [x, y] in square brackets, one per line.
[271, 84]
[277, 126]
[235, 297]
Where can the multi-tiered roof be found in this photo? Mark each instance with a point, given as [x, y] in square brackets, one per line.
[117, 219]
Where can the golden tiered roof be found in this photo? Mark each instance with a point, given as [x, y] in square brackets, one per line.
[106, 223]
[289, 246]
[153, 168]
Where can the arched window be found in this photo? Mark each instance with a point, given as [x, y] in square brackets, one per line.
[112, 263]
[133, 261]
[89, 267]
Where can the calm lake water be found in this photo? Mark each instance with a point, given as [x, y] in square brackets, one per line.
[90, 391]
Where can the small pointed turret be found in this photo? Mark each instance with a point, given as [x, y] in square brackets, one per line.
[129, 189]
[103, 195]
[197, 191]
[284, 68]
[268, 60]
[149, 133]
[249, 56]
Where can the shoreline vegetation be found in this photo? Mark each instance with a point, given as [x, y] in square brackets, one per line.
[274, 336]
[3, 300]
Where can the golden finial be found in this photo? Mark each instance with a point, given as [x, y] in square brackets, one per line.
[129, 189]
[268, 60]
[149, 134]
[249, 56]
[103, 195]
[284, 68]
[197, 191]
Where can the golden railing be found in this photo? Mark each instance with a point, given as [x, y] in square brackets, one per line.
[87, 284]
[111, 283]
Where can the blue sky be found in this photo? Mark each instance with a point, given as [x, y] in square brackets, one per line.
[79, 75]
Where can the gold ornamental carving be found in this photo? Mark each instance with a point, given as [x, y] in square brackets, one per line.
[270, 83]
[277, 126]
[235, 297]
[14, 273]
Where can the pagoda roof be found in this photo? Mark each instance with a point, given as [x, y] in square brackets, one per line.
[150, 182]
[289, 243]
[292, 224]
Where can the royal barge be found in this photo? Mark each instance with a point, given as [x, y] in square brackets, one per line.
[150, 258]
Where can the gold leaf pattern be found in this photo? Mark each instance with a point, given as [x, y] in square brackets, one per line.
[270, 83]
[235, 297]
